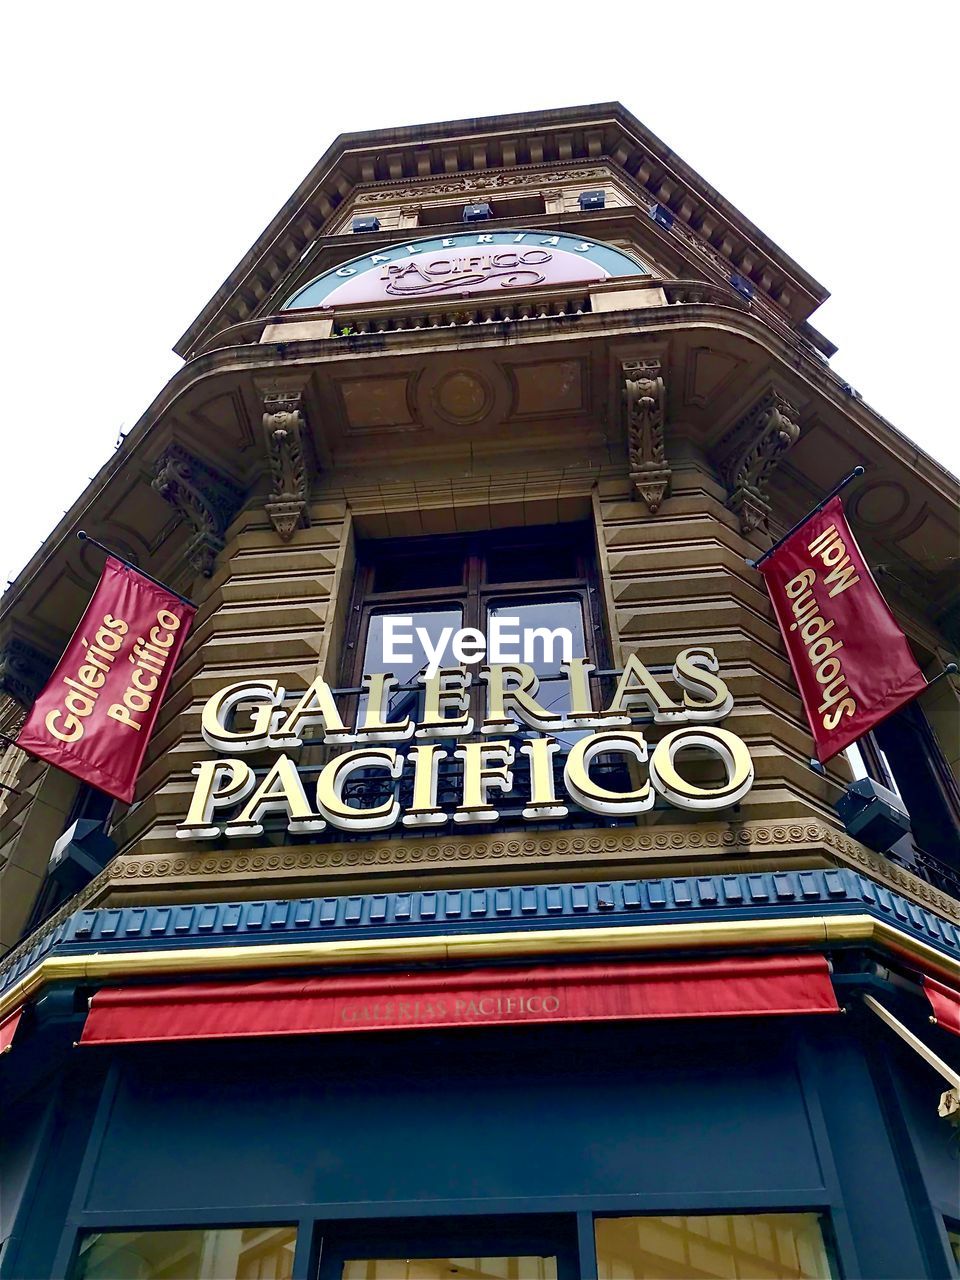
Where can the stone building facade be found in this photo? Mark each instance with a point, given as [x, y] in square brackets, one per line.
[517, 363]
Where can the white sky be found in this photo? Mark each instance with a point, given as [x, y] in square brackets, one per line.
[146, 146]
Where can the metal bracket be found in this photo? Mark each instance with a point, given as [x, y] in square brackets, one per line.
[949, 1107]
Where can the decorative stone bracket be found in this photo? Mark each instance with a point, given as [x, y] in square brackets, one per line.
[751, 452]
[24, 670]
[643, 403]
[284, 428]
[203, 497]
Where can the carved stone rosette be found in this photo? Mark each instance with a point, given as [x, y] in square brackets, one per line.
[283, 428]
[203, 497]
[753, 451]
[643, 403]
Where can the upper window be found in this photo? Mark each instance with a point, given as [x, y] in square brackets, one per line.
[903, 755]
[541, 577]
[535, 582]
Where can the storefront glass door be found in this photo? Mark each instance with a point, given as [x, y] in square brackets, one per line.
[441, 1249]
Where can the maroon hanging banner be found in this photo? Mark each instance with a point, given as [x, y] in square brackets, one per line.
[95, 715]
[852, 661]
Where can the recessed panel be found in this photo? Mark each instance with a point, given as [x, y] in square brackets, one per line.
[552, 387]
[376, 404]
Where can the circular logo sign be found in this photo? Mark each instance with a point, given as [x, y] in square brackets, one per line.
[467, 263]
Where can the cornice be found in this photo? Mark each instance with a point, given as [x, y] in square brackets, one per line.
[603, 132]
[870, 878]
[147, 438]
[773, 911]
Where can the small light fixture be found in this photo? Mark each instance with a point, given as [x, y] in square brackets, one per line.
[742, 285]
[365, 224]
[873, 814]
[662, 215]
[81, 853]
[592, 199]
[477, 212]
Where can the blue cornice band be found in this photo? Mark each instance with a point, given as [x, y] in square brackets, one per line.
[500, 909]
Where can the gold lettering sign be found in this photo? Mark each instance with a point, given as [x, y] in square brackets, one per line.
[231, 799]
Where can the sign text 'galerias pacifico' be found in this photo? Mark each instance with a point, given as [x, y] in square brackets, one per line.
[232, 798]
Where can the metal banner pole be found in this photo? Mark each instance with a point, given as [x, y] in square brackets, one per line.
[855, 474]
[85, 537]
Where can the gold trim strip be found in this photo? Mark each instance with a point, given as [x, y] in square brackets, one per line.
[699, 935]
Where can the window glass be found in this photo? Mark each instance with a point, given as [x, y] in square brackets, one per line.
[432, 623]
[204, 1253]
[518, 563]
[539, 626]
[418, 573]
[512, 1268]
[763, 1246]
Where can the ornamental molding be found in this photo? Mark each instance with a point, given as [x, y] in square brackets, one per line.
[644, 403]
[284, 430]
[267, 866]
[750, 453]
[201, 496]
[24, 670]
[677, 842]
[487, 180]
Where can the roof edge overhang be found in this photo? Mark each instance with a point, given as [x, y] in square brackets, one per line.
[270, 357]
[348, 149]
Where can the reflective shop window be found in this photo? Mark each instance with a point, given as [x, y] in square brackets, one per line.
[203, 1253]
[503, 1268]
[759, 1246]
[953, 1237]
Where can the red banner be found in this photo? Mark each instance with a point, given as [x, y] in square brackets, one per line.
[945, 1002]
[96, 714]
[852, 661]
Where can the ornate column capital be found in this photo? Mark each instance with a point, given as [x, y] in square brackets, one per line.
[751, 452]
[644, 405]
[203, 497]
[284, 429]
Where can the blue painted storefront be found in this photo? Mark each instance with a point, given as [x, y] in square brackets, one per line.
[538, 1127]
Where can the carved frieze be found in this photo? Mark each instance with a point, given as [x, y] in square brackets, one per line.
[751, 452]
[486, 181]
[203, 497]
[643, 403]
[284, 432]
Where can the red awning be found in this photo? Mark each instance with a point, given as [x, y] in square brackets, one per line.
[946, 1004]
[8, 1029]
[733, 987]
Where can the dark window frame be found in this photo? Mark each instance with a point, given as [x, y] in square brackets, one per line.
[475, 593]
[930, 795]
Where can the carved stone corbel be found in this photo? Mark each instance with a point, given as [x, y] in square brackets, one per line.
[643, 403]
[753, 451]
[24, 670]
[203, 497]
[284, 428]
